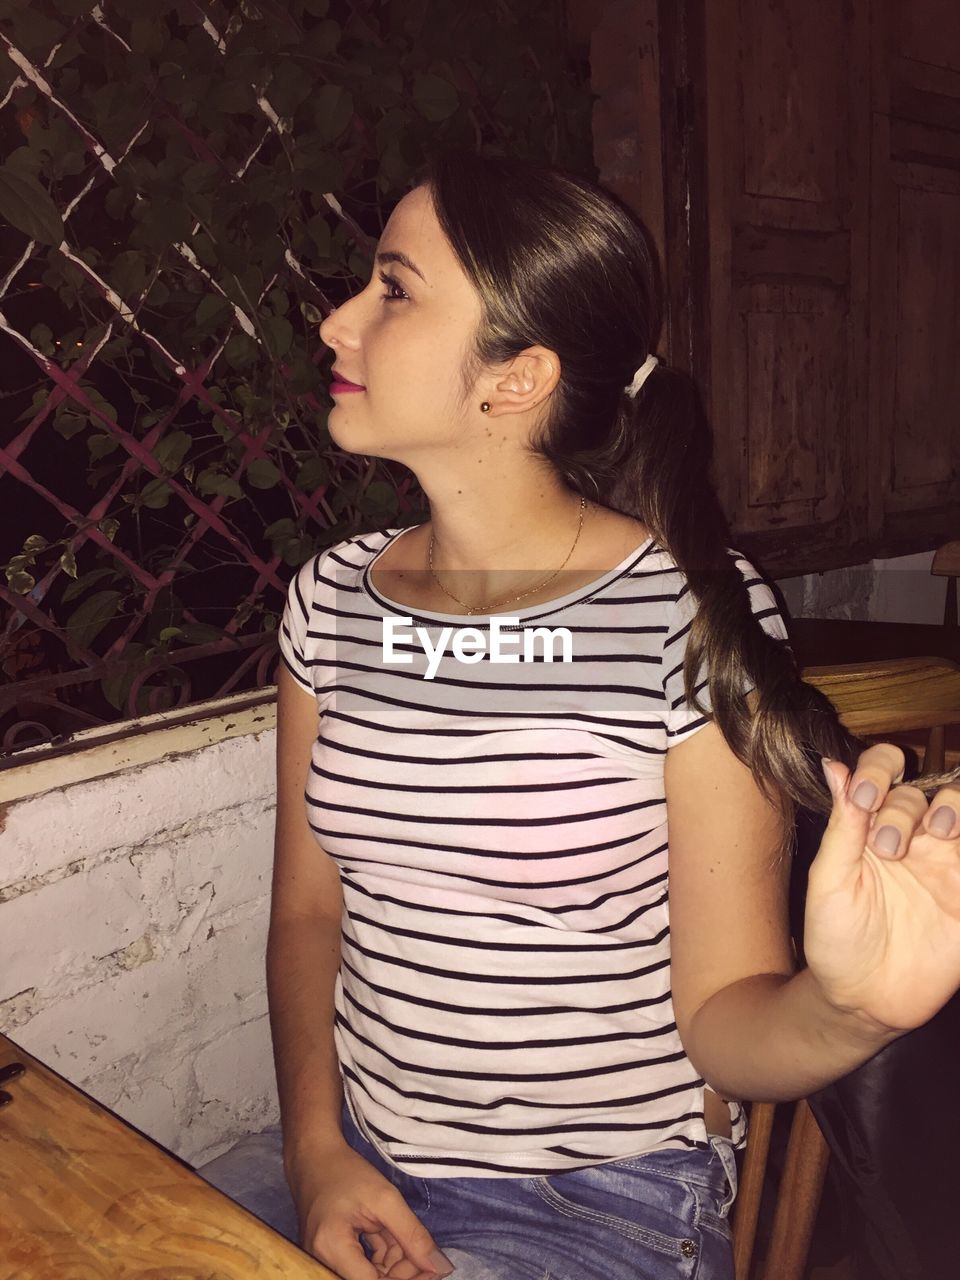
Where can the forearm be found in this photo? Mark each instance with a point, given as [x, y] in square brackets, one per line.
[772, 1038]
[303, 958]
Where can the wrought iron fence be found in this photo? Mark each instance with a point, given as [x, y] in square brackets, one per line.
[173, 240]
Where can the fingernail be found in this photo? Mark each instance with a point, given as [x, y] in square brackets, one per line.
[824, 761]
[887, 840]
[865, 795]
[441, 1263]
[941, 824]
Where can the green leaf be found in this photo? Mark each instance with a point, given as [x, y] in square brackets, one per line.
[146, 35]
[212, 309]
[116, 686]
[240, 351]
[378, 497]
[20, 582]
[233, 97]
[312, 474]
[310, 313]
[323, 39]
[213, 481]
[168, 633]
[85, 624]
[318, 230]
[100, 445]
[262, 473]
[36, 542]
[436, 99]
[156, 494]
[333, 111]
[87, 580]
[283, 528]
[279, 331]
[360, 264]
[108, 527]
[128, 273]
[67, 424]
[26, 205]
[200, 632]
[99, 403]
[41, 335]
[172, 449]
[68, 563]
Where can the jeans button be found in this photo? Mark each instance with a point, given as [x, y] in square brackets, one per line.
[688, 1248]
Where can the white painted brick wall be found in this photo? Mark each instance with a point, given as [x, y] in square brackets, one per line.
[133, 919]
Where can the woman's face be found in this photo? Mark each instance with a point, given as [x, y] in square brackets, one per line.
[404, 339]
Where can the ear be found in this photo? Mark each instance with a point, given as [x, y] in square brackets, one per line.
[524, 382]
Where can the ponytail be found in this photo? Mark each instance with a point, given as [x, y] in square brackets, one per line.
[559, 261]
[664, 479]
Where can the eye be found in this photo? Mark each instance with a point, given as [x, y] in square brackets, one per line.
[392, 283]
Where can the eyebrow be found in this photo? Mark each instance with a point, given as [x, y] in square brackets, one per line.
[404, 261]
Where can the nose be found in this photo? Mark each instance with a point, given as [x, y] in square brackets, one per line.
[338, 329]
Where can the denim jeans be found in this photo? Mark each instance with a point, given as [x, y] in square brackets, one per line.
[658, 1216]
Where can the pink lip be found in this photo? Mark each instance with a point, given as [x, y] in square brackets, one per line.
[340, 384]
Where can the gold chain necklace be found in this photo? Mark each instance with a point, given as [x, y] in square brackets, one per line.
[484, 607]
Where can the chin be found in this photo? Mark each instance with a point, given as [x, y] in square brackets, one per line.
[340, 432]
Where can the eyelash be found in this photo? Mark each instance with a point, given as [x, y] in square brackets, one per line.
[392, 283]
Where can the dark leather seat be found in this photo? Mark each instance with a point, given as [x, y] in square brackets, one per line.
[893, 1128]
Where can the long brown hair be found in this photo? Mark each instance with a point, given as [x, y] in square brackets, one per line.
[559, 262]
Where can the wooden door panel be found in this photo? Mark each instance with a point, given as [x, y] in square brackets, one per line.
[926, 419]
[915, 275]
[927, 31]
[791, 71]
[788, 147]
[795, 369]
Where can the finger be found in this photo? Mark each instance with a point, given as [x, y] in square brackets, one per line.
[393, 1255]
[896, 822]
[378, 1247]
[413, 1237]
[943, 816]
[404, 1269]
[341, 1251]
[385, 1253]
[877, 769]
[841, 848]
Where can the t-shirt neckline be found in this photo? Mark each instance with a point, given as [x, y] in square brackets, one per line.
[478, 619]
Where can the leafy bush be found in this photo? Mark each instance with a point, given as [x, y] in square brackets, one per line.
[188, 189]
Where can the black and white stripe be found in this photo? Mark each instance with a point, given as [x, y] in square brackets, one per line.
[503, 1005]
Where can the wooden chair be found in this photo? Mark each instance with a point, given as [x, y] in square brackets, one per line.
[946, 564]
[873, 700]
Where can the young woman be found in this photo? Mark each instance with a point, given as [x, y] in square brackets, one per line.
[502, 1049]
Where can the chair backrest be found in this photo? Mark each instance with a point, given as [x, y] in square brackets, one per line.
[878, 698]
[946, 564]
[872, 699]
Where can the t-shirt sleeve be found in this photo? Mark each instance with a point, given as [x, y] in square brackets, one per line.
[683, 719]
[295, 647]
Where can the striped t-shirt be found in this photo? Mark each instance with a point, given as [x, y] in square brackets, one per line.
[503, 1005]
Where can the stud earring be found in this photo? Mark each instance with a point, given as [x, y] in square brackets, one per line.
[485, 407]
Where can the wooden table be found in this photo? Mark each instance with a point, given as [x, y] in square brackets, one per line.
[83, 1196]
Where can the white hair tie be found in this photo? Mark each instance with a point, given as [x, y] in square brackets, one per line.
[642, 374]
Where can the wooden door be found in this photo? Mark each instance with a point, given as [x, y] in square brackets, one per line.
[915, 293]
[785, 86]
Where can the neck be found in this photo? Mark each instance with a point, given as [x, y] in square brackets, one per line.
[481, 556]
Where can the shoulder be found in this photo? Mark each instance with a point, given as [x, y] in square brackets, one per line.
[683, 603]
[333, 566]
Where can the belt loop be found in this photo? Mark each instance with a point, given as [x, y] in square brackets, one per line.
[724, 1149]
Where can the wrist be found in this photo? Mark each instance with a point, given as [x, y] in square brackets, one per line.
[308, 1150]
[853, 1023]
